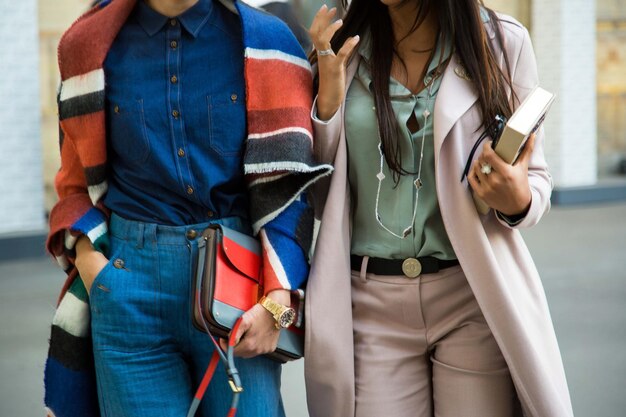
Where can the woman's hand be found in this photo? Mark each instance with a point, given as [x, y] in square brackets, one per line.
[331, 67]
[257, 334]
[89, 261]
[505, 188]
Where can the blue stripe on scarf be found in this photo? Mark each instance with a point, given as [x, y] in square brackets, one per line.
[70, 393]
[258, 25]
[281, 234]
[93, 218]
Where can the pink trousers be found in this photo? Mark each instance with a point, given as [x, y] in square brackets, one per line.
[423, 348]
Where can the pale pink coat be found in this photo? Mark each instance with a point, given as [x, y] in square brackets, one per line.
[493, 255]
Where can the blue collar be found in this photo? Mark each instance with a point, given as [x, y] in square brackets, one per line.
[191, 20]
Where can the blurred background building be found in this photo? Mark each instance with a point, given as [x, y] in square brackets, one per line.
[581, 51]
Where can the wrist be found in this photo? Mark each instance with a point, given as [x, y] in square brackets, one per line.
[281, 296]
[283, 314]
[520, 210]
[328, 102]
[326, 112]
[84, 251]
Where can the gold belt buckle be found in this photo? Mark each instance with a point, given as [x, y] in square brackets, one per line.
[411, 267]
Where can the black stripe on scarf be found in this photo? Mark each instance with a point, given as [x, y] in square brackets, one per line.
[96, 175]
[81, 105]
[73, 352]
[289, 146]
[270, 196]
[304, 230]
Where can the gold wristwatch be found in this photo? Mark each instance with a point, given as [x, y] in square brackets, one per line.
[283, 315]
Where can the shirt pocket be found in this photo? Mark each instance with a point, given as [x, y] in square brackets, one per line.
[128, 135]
[227, 123]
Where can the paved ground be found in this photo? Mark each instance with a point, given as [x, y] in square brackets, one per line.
[580, 252]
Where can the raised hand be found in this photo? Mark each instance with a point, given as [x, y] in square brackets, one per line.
[331, 65]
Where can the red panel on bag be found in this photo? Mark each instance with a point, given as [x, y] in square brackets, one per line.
[234, 285]
[242, 258]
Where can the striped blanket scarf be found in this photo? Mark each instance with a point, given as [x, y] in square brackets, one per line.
[278, 164]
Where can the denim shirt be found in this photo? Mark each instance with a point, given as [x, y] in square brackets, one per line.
[176, 117]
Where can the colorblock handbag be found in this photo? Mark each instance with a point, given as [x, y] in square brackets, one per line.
[227, 284]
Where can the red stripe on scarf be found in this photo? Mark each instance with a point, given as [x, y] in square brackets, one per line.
[264, 77]
[263, 121]
[86, 41]
[270, 279]
[62, 217]
[87, 133]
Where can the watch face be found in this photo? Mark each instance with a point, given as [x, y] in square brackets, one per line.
[286, 319]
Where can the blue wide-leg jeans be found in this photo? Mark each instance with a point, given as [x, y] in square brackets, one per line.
[149, 357]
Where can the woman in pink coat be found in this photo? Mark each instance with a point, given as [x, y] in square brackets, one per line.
[418, 305]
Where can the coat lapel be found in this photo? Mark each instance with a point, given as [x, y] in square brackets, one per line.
[456, 95]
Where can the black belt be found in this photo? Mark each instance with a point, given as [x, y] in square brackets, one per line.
[411, 267]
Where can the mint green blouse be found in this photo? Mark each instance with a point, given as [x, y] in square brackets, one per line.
[428, 236]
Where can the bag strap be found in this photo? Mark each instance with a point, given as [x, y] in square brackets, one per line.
[227, 358]
[494, 130]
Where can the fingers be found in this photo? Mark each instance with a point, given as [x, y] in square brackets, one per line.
[223, 344]
[257, 333]
[323, 30]
[479, 176]
[347, 48]
[323, 40]
[245, 325]
[489, 156]
[320, 23]
[529, 147]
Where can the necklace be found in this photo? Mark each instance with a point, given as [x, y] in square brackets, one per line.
[417, 183]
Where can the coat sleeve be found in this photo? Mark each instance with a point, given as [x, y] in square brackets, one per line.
[327, 135]
[525, 78]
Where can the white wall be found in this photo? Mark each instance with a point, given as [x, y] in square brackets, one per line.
[21, 183]
[564, 37]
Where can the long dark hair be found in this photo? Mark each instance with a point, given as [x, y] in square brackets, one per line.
[460, 21]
